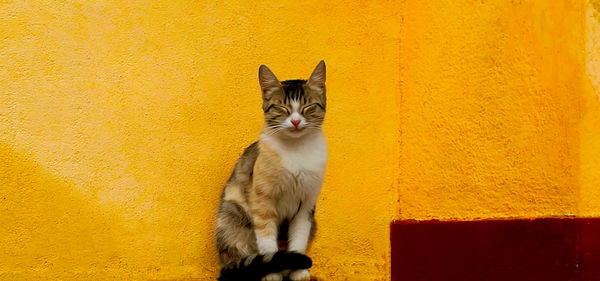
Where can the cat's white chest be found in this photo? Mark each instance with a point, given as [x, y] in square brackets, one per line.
[304, 162]
[308, 154]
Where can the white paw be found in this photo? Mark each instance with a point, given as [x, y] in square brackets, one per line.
[273, 277]
[300, 275]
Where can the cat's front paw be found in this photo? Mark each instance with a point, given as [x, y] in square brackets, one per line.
[300, 275]
[273, 277]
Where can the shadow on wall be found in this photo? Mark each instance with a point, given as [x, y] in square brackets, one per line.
[47, 227]
[52, 228]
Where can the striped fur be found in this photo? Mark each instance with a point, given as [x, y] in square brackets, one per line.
[267, 206]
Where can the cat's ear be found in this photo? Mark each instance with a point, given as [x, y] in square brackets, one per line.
[268, 81]
[317, 78]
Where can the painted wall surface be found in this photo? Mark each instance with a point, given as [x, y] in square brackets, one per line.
[498, 118]
[590, 122]
[121, 121]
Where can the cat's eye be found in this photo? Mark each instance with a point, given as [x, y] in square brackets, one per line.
[310, 107]
[279, 109]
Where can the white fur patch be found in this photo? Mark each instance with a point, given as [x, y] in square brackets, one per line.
[300, 275]
[273, 277]
[295, 105]
[266, 245]
[300, 230]
[308, 152]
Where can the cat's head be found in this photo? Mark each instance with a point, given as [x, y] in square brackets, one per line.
[293, 108]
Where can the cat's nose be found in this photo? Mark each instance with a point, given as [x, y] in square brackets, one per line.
[295, 122]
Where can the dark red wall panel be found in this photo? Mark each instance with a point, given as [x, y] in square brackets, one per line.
[551, 249]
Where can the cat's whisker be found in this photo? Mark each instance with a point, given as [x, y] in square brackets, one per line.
[272, 132]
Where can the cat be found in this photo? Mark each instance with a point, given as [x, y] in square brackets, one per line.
[266, 214]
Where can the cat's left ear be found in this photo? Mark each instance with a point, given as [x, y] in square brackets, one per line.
[317, 78]
[268, 81]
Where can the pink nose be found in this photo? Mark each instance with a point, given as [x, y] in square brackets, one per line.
[295, 122]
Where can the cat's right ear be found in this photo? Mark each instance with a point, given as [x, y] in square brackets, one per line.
[268, 81]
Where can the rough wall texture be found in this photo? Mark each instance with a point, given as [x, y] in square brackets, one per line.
[491, 109]
[590, 122]
[120, 121]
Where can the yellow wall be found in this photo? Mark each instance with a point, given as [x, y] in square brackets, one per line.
[491, 104]
[590, 121]
[120, 121]
[500, 110]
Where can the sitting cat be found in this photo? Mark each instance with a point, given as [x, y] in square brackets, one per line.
[265, 220]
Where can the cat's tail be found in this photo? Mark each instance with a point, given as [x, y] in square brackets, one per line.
[254, 270]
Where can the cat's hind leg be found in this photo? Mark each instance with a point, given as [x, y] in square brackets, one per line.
[234, 235]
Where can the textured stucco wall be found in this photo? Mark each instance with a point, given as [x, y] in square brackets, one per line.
[493, 95]
[590, 123]
[120, 121]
